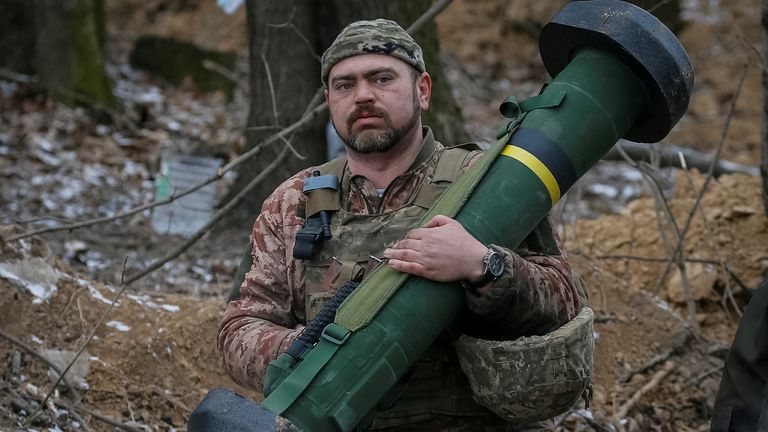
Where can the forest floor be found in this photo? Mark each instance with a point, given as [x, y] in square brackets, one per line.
[153, 358]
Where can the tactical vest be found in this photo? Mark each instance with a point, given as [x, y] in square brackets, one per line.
[436, 384]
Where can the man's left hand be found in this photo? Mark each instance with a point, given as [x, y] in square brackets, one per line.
[442, 251]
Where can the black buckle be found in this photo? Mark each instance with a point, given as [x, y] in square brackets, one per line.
[309, 239]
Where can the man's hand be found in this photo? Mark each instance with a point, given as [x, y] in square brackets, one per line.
[442, 251]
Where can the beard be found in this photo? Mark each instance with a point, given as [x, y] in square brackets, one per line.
[377, 140]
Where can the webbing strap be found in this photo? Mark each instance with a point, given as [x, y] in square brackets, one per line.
[294, 384]
[374, 292]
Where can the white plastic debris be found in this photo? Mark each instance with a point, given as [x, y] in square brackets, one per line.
[75, 377]
[34, 274]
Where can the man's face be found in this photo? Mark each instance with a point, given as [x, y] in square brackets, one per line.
[375, 101]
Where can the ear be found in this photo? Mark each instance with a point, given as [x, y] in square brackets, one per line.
[424, 87]
[325, 94]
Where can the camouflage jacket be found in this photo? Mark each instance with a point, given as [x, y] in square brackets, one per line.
[534, 296]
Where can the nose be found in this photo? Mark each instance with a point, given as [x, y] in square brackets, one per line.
[363, 92]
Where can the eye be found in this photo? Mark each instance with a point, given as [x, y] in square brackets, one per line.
[342, 86]
[383, 79]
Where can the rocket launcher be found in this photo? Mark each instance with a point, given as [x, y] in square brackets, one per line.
[618, 72]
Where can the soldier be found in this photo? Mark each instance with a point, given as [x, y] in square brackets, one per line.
[376, 86]
[741, 404]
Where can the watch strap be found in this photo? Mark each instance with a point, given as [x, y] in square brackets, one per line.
[487, 276]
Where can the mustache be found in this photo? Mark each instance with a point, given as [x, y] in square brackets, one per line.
[366, 110]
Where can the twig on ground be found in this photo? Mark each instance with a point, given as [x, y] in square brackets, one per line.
[629, 404]
[655, 360]
[89, 338]
[173, 401]
[98, 416]
[700, 377]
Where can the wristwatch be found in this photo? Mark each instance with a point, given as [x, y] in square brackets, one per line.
[494, 267]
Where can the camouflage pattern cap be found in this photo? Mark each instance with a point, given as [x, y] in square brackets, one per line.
[378, 36]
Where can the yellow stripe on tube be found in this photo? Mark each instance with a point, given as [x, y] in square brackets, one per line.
[538, 168]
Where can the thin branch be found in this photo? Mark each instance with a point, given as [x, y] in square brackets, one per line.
[298, 125]
[17, 77]
[234, 202]
[96, 326]
[301, 35]
[98, 416]
[293, 149]
[657, 359]
[628, 405]
[36, 355]
[271, 88]
[226, 73]
[662, 204]
[708, 178]
[658, 5]
[427, 16]
[715, 247]
[679, 259]
[668, 155]
[130, 212]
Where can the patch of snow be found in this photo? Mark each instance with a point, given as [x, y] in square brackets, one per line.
[36, 339]
[117, 325]
[33, 274]
[95, 293]
[170, 307]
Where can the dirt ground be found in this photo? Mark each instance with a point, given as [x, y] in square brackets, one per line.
[153, 358]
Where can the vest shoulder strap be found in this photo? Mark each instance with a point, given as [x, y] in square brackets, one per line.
[328, 200]
[334, 167]
[448, 169]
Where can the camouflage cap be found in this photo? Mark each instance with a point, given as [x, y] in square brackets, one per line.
[378, 36]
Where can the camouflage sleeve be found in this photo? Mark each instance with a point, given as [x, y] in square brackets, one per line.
[535, 295]
[262, 321]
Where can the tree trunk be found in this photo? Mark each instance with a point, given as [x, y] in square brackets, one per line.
[291, 36]
[17, 42]
[764, 155]
[69, 52]
[281, 39]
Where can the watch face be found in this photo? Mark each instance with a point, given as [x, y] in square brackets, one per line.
[496, 263]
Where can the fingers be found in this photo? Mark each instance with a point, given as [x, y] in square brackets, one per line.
[401, 252]
[438, 221]
[406, 243]
[407, 267]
